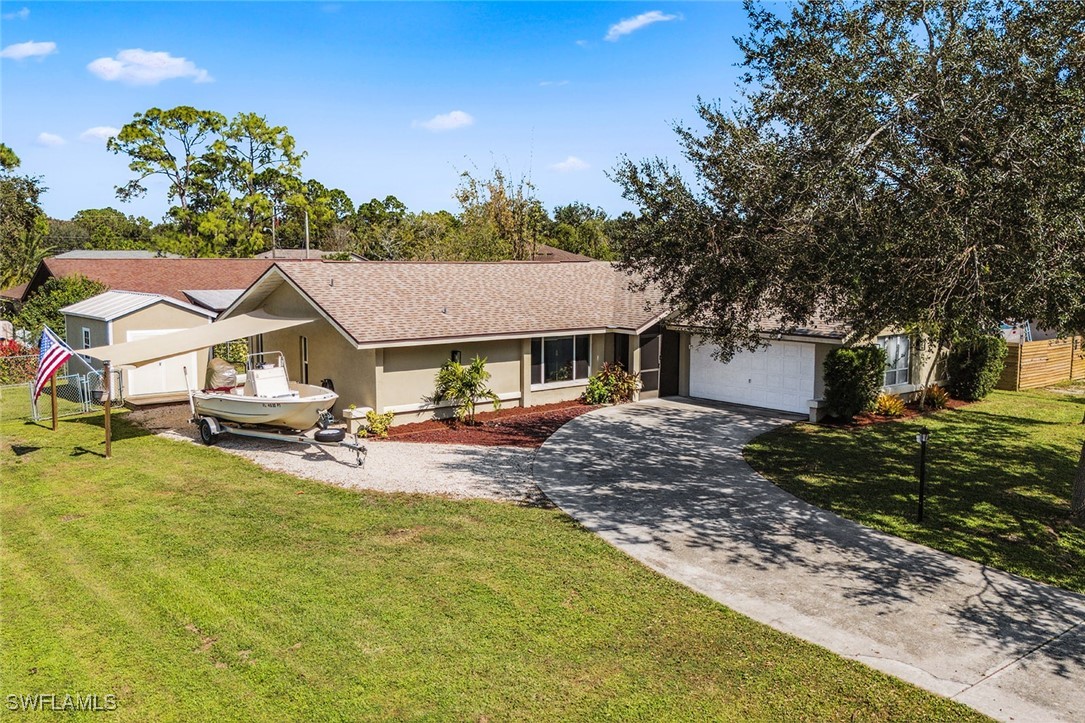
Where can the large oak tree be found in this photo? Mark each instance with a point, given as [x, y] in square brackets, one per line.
[918, 164]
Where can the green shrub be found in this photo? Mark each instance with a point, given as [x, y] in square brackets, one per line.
[597, 392]
[235, 352]
[937, 397]
[464, 386]
[376, 425]
[974, 366]
[889, 405]
[611, 385]
[853, 379]
[44, 305]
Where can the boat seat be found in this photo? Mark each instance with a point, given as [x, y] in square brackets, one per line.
[271, 383]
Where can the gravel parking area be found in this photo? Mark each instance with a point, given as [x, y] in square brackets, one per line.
[460, 471]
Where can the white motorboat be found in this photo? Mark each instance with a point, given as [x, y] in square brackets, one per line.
[268, 397]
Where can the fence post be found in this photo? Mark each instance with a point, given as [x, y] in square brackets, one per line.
[107, 398]
[53, 398]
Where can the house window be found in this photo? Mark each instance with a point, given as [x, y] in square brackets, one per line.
[898, 369]
[557, 359]
[86, 338]
[304, 360]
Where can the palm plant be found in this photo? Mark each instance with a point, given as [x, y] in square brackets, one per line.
[464, 386]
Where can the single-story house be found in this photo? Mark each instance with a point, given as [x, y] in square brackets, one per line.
[114, 317]
[383, 329]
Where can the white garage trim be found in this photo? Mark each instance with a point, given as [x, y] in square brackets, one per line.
[779, 376]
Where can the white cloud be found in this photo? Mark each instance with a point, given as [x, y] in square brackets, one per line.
[29, 49]
[136, 66]
[18, 14]
[629, 25]
[50, 140]
[552, 83]
[99, 133]
[446, 121]
[570, 164]
[582, 43]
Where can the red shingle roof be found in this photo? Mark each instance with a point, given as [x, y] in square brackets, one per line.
[168, 277]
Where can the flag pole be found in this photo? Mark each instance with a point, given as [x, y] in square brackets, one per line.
[107, 403]
[53, 397]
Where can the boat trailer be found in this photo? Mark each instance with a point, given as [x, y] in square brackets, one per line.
[211, 428]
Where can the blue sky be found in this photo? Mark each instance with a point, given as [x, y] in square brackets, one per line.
[386, 98]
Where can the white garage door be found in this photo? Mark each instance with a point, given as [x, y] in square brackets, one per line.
[780, 376]
[165, 375]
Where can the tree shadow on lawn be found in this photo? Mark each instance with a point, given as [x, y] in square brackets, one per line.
[675, 480]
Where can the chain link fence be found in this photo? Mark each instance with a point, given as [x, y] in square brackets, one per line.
[76, 393]
[71, 398]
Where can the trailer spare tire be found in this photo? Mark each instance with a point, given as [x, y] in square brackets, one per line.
[329, 435]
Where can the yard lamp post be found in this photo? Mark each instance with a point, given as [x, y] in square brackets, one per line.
[922, 437]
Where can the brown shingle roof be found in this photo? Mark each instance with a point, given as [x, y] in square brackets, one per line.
[14, 293]
[405, 301]
[168, 277]
[544, 252]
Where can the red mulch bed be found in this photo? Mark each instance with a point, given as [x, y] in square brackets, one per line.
[911, 411]
[510, 427]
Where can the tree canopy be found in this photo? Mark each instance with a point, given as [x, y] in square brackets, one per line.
[231, 183]
[23, 224]
[918, 164]
[44, 305]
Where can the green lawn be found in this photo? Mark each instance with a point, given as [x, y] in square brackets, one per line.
[194, 585]
[1000, 474]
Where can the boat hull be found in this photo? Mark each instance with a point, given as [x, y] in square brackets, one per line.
[300, 412]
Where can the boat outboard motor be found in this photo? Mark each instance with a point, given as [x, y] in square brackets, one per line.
[221, 375]
[327, 384]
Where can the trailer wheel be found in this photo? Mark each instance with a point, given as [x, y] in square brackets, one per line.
[207, 434]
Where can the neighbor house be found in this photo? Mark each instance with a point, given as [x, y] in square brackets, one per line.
[175, 278]
[382, 330]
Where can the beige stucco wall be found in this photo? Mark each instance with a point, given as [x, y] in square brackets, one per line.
[407, 374]
[331, 356]
[923, 358]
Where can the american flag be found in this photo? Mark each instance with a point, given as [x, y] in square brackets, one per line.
[52, 353]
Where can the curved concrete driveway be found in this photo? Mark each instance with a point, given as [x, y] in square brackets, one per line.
[665, 482]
